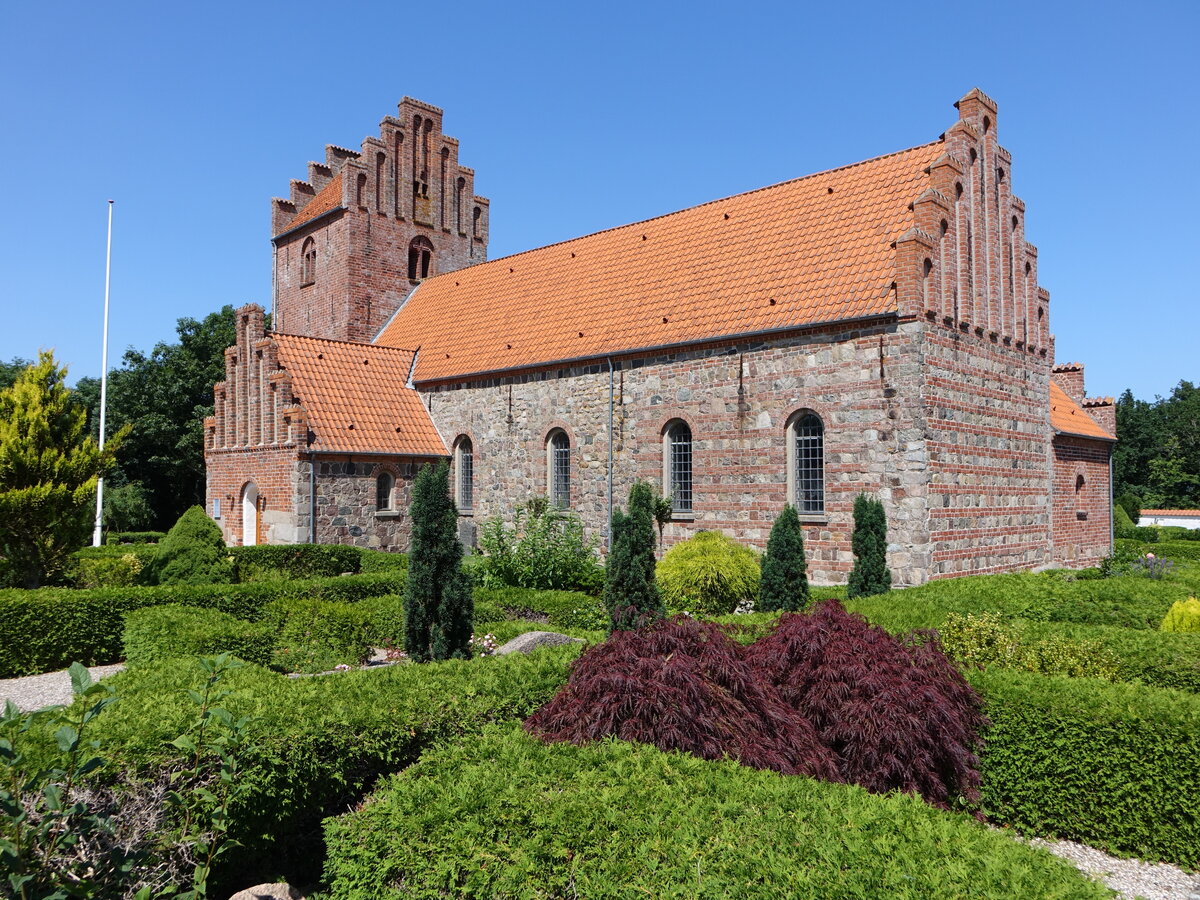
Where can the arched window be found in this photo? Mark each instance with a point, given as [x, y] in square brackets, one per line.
[464, 461]
[807, 439]
[384, 489]
[420, 258]
[308, 262]
[558, 468]
[677, 465]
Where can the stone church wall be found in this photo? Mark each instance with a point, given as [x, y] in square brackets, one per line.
[738, 401]
[988, 429]
[1081, 502]
[346, 502]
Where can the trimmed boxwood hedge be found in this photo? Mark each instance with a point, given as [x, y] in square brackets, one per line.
[315, 745]
[171, 631]
[265, 561]
[509, 817]
[1116, 766]
[50, 628]
[561, 609]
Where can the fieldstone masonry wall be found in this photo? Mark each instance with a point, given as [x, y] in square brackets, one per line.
[345, 503]
[738, 401]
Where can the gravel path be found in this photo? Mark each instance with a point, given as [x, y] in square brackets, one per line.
[1131, 878]
[36, 691]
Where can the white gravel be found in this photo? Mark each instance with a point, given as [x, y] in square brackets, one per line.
[51, 689]
[1131, 878]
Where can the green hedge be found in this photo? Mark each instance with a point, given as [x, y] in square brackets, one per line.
[1128, 601]
[50, 628]
[267, 561]
[315, 745]
[172, 631]
[317, 635]
[134, 537]
[561, 609]
[509, 817]
[381, 561]
[1115, 766]
[1180, 551]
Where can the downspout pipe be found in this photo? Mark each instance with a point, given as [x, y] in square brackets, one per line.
[608, 529]
[312, 489]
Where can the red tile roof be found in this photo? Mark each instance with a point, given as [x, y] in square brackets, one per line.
[1171, 512]
[329, 197]
[357, 398]
[808, 251]
[1068, 417]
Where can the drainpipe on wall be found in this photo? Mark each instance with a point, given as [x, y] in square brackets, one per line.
[312, 497]
[608, 528]
[1112, 527]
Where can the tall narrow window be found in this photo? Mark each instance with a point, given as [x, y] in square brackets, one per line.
[808, 456]
[420, 258]
[380, 162]
[465, 463]
[384, 489]
[308, 262]
[558, 468]
[677, 455]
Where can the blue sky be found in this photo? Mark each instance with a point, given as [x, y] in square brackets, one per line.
[581, 117]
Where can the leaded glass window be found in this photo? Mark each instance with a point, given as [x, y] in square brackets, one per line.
[559, 464]
[809, 445]
[466, 474]
[383, 491]
[679, 466]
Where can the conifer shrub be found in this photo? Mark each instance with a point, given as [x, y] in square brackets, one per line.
[631, 596]
[784, 583]
[1183, 616]
[870, 574]
[897, 716]
[438, 602]
[709, 574]
[193, 552]
[1121, 521]
[683, 685]
[173, 631]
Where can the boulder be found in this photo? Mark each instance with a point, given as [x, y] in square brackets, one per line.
[531, 640]
[279, 891]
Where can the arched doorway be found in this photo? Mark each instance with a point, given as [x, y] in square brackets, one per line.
[250, 514]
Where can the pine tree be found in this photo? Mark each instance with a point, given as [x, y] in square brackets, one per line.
[784, 583]
[48, 471]
[438, 606]
[630, 594]
[870, 574]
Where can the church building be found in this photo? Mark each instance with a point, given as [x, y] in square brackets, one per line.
[877, 328]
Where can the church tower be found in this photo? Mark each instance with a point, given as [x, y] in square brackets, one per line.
[368, 226]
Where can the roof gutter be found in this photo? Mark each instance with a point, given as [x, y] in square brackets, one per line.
[1086, 437]
[291, 231]
[659, 348]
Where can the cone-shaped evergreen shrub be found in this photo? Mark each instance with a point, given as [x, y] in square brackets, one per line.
[683, 685]
[437, 604]
[898, 716]
[630, 594]
[1184, 615]
[870, 574]
[709, 574]
[784, 582]
[193, 552]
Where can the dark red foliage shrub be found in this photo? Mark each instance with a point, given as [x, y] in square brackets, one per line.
[682, 685]
[898, 715]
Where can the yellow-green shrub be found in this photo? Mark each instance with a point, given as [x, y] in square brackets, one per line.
[985, 639]
[708, 574]
[1184, 615]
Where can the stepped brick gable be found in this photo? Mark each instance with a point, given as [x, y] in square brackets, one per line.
[875, 328]
[352, 240]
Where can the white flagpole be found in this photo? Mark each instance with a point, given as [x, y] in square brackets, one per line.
[103, 383]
